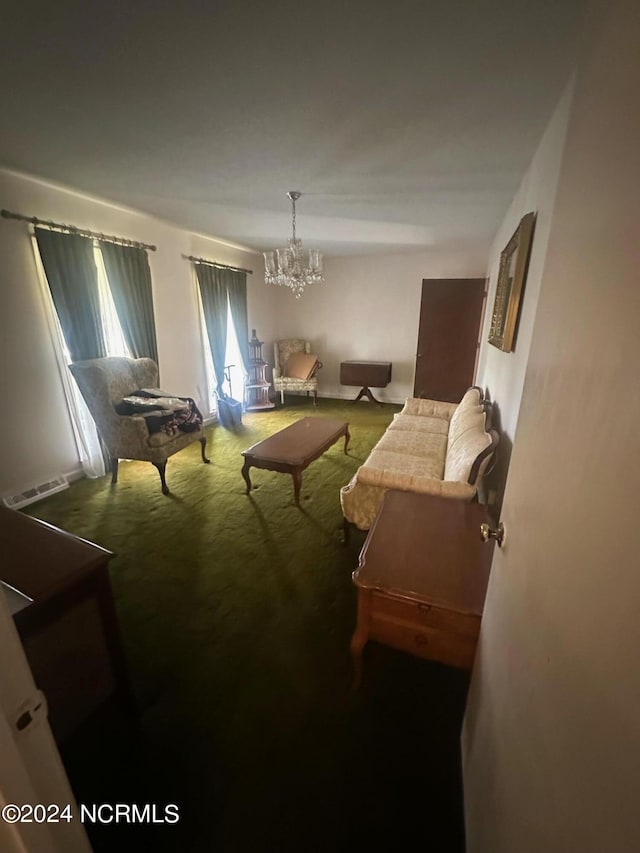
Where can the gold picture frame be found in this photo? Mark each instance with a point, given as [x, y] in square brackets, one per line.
[514, 262]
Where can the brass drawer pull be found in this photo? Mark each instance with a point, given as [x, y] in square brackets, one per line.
[424, 609]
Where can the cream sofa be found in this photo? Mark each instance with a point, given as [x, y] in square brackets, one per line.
[430, 447]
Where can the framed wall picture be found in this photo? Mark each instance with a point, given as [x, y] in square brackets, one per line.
[514, 261]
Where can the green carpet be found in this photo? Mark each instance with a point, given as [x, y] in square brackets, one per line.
[236, 613]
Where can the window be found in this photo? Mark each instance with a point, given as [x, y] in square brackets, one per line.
[83, 425]
[232, 358]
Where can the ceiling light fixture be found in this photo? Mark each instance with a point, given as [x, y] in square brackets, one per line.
[293, 267]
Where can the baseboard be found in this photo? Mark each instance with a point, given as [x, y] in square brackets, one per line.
[351, 397]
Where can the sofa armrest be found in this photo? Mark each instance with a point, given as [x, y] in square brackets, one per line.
[277, 373]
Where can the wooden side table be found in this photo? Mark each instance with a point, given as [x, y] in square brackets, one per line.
[69, 631]
[422, 578]
[368, 374]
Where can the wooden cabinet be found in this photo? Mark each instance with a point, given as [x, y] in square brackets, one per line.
[69, 631]
[422, 579]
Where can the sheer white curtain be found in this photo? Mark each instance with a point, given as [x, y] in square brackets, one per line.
[84, 428]
[232, 356]
[111, 328]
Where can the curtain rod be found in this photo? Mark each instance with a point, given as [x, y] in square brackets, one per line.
[209, 263]
[71, 229]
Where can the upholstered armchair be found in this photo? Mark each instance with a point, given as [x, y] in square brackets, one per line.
[104, 382]
[295, 368]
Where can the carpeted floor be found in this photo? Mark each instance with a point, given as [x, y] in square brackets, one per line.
[236, 614]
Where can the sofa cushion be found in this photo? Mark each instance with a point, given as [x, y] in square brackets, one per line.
[419, 423]
[381, 462]
[428, 408]
[416, 443]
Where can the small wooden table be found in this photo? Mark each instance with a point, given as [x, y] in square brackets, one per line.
[369, 374]
[422, 578]
[294, 448]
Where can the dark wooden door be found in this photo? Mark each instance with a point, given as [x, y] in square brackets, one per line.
[448, 337]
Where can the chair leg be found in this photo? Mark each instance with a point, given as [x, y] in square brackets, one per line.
[161, 469]
[203, 442]
[315, 397]
[114, 469]
[282, 396]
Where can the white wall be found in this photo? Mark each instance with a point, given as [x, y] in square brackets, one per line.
[551, 746]
[369, 308]
[37, 439]
[501, 373]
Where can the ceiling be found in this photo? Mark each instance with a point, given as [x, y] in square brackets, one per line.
[405, 125]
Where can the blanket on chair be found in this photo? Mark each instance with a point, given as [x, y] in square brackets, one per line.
[162, 412]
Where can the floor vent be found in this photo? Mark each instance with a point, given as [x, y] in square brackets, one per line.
[29, 496]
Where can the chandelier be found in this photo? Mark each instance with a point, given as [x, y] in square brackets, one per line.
[293, 267]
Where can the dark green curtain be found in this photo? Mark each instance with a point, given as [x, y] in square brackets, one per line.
[129, 278]
[237, 290]
[213, 292]
[73, 280]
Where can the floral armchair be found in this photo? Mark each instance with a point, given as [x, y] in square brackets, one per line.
[104, 382]
[305, 378]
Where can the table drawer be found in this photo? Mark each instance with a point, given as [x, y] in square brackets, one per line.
[424, 641]
[422, 614]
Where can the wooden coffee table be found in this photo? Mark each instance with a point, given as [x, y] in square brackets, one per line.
[294, 448]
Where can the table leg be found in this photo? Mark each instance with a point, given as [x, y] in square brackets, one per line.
[245, 474]
[360, 636]
[113, 639]
[347, 438]
[297, 484]
[366, 392]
